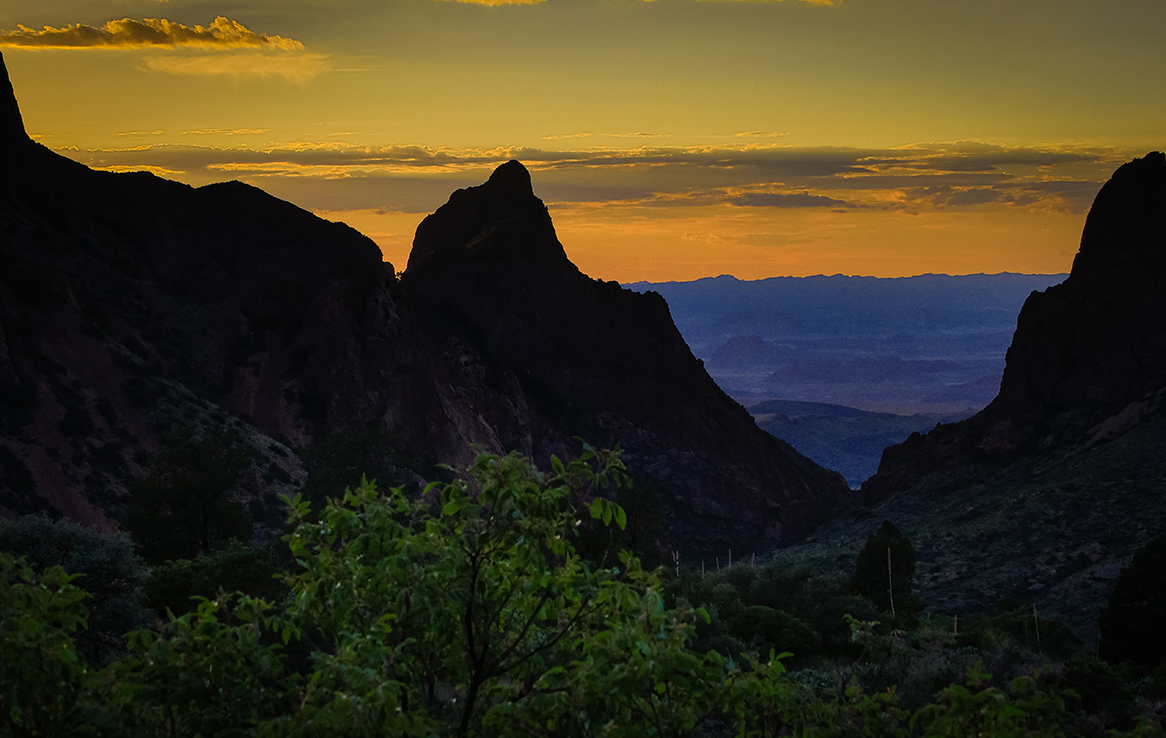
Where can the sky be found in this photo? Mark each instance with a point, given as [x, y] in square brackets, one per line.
[670, 139]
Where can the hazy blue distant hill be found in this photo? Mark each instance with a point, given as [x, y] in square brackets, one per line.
[846, 439]
[933, 343]
[912, 352]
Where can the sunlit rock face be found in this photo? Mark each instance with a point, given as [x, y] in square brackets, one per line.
[1088, 360]
[131, 306]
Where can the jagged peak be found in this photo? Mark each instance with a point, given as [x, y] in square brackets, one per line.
[501, 219]
[11, 123]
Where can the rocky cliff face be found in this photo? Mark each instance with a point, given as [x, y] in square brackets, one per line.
[1088, 360]
[130, 305]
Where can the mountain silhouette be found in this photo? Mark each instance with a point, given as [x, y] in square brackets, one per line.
[132, 305]
[488, 279]
[1088, 359]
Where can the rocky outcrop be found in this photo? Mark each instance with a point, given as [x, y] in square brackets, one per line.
[1088, 359]
[131, 305]
[489, 279]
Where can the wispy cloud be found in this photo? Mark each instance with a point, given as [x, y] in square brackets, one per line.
[224, 131]
[1061, 179]
[222, 33]
[786, 200]
[760, 134]
[811, 2]
[493, 3]
[297, 68]
[637, 134]
[536, 2]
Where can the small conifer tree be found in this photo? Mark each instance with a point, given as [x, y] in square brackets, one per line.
[879, 576]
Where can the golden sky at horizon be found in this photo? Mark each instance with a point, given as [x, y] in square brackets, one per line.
[671, 139]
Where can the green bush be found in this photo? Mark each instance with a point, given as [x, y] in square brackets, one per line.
[467, 611]
[173, 586]
[110, 572]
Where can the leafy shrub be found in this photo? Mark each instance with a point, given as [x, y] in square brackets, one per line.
[110, 572]
[42, 681]
[173, 586]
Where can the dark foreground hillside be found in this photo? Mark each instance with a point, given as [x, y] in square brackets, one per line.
[1044, 496]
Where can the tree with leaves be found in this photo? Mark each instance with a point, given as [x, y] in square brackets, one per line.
[192, 499]
[885, 570]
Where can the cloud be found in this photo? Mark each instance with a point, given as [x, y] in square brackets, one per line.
[222, 33]
[786, 200]
[224, 131]
[493, 3]
[760, 134]
[637, 134]
[937, 176]
[298, 68]
[811, 2]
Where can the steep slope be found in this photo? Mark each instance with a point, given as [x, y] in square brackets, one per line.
[1044, 495]
[131, 306]
[488, 276]
[1088, 360]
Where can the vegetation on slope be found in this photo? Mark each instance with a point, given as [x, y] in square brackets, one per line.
[468, 610]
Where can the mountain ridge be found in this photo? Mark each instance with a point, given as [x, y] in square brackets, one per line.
[131, 306]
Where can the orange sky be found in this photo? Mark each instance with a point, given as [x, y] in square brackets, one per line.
[672, 139]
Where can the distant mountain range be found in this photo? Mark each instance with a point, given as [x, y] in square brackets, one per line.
[928, 344]
[914, 351]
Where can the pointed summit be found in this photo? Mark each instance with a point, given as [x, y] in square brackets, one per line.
[11, 124]
[496, 221]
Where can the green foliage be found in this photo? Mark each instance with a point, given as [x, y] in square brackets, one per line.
[808, 611]
[338, 461]
[208, 673]
[42, 679]
[239, 567]
[111, 573]
[885, 570]
[1131, 623]
[765, 629]
[467, 610]
[192, 499]
[979, 709]
[474, 615]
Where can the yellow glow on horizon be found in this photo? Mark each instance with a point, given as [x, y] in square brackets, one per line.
[629, 244]
[688, 244]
